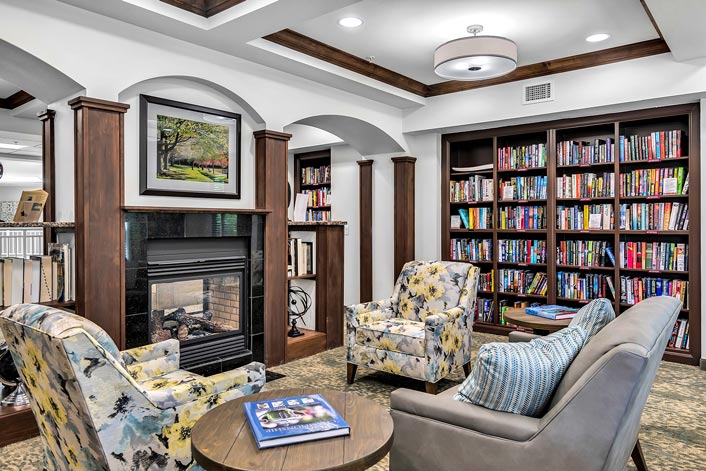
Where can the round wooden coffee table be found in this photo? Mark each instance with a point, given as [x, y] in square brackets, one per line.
[540, 325]
[222, 439]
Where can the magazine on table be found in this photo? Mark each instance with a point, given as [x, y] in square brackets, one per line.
[295, 419]
[552, 312]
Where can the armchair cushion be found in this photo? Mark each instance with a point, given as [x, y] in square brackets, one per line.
[395, 335]
[521, 377]
[177, 387]
[427, 288]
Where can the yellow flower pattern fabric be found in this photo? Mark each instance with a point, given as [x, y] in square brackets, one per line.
[92, 412]
[424, 330]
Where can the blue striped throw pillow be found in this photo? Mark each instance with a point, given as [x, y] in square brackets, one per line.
[594, 316]
[521, 377]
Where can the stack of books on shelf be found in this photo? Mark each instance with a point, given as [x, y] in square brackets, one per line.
[522, 251]
[586, 185]
[585, 152]
[300, 257]
[584, 286]
[318, 215]
[553, 312]
[38, 279]
[316, 175]
[654, 217]
[657, 145]
[522, 217]
[521, 157]
[584, 253]
[484, 310]
[654, 182]
[585, 217]
[485, 282]
[476, 188]
[680, 335]
[319, 197]
[522, 282]
[472, 250]
[669, 256]
[634, 290]
[524, 188]
[473, 218]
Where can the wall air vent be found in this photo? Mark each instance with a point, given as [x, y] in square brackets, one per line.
[538, 93]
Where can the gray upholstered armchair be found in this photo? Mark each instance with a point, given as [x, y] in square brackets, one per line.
[592, 422]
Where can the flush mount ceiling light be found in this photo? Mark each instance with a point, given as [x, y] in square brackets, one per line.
[350, 22]
[598, 37]
[475, 57]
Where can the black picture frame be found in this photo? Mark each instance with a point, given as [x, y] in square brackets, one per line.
[177, 187]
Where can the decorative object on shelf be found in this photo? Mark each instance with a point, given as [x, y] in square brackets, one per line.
[299, 305]
[10, 378]
[30, 206]
[188, 150]
[475, 57]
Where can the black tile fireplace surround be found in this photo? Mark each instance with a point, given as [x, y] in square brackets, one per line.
[227, 238]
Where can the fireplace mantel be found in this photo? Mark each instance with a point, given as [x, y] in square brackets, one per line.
[159, 209]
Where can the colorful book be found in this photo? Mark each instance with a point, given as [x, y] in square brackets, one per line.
[295, 419]
[552, 311]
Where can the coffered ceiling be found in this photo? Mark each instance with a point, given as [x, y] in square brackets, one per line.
[11, 96]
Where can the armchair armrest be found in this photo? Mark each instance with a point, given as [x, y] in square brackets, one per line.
[251, 373]
[443, 408]
[519, 336]
[444, 317]
[365, 313]
[152, 360]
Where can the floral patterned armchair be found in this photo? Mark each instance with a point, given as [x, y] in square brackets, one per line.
[423, 330]
[101, 409]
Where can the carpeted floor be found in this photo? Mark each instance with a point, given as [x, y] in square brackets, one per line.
[673, 433]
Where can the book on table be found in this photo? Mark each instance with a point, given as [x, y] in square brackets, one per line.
[552, 312]
[295, 419]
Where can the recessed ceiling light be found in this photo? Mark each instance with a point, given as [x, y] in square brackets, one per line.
[350, 22]
[595, 38]
[11, 146]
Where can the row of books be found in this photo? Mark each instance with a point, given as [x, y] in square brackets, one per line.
[319, 197]
[531, 156]
[585, 152]
[635, 289]
[473, 218]
[300, 257]
[583, 286]
[524, 188]
[522, 217]
[680, 335]
[654, 182]
[476, 188]
[585, 253]
[586, 185]
[654, 217]
[486, 281]
[316, 175]
[484, 310]
[38, 279]
[318, 215]
[472, 249]
[658, 145]
[522, 251]
[522, 282]
[588, 216]
[654, 256]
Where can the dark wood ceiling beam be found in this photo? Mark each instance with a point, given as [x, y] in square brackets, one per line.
[203, 8]
[652, 18]
[15, 100]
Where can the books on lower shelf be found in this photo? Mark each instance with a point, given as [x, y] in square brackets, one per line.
[319, 197]
[585, 152]
[522, 217]
[584, 253]
[654, 256]
[476, 188]
[586, 185]
[522, 282]
[485, 282]
[320, 215]
[472, 250]
[653, 182]
[484, 310]
[522, 157]
[585, 217]
[654, 217]
[552, 311]
[522, 251]
[476, 218]
[584, 286]
[634, 290]
[656, 145]
[680, 335]
[294, 419]
[523, 188]
[300, 257]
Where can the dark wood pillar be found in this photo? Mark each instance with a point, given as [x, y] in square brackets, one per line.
[99, 192]
[48, 172]
[271, 194]
[404, 211]
[365, 206]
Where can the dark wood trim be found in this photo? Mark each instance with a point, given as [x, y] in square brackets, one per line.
[99, 196]
[329, 283]
[557, 66]
[48, 171]
[404, 212]
[16, 100]
[205, 8]
[271, 195]
[312, 47]
[365, 207]
[154, 209]
[16, 423]
[652, 18]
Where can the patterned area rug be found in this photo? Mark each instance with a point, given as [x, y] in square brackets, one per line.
[673, 433]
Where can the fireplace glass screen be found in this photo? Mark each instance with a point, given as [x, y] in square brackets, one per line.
[190, 309]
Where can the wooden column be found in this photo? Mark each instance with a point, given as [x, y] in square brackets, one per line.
[404, 211]
[99, 191]
[271, 194]
[365, 206]
[48, 171]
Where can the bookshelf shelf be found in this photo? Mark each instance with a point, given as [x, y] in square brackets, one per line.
[302, 277]
[315, 185]
[592, 139]
[479, 262]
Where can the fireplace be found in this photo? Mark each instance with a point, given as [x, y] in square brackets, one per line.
[196, 278]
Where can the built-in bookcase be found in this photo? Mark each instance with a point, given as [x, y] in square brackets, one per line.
[566, 196]
[312, 175]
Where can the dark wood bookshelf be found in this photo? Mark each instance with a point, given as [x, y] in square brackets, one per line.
[314, 159]
[469, 149]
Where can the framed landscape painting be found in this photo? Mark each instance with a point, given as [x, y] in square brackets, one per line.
[188, 150]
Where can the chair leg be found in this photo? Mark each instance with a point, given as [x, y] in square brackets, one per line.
[431, 388]
[350, 372]
[467, 368]
[638, 458]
